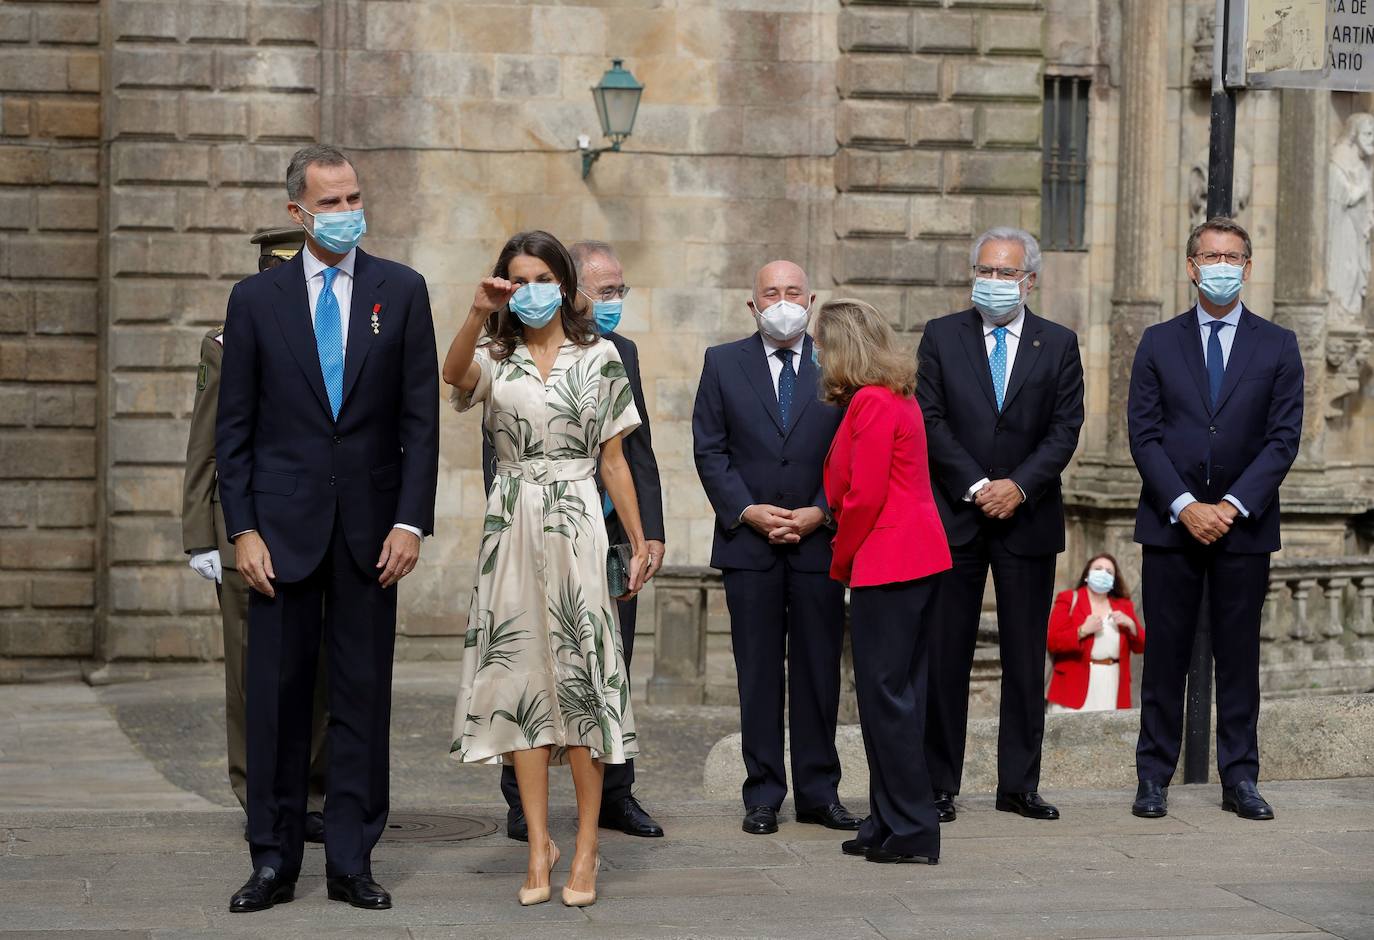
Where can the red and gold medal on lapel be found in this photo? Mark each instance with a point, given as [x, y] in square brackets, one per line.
[376, 320]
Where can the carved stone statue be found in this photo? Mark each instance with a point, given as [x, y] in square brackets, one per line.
[1241, 178]
[1350, 215]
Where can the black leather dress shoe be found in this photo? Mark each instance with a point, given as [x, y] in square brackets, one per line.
[1151, 800]
[359, 891]
[516, 827]
[854, 847]
[629, 817]
[944, 805]
[834, 816]
[883, 856]
[314, 827]
[265, 888]
[1027, 804]
[1245, 801]
[760, 820]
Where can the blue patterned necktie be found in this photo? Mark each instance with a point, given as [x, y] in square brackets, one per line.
[1216, 362]
[787, 385]
[998, 363]
[329, 341]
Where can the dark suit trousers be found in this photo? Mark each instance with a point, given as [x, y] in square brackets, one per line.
[1172, 583]
[358, 621]
[619, 779]
[1024, 585]
[888, 629]
[787, 623]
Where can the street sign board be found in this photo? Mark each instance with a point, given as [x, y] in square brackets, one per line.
[1300, 44]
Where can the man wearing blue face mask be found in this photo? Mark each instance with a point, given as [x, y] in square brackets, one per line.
[1001, 390]
[1215, 416]
[327, 443]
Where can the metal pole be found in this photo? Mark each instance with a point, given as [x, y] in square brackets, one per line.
[1221, 161]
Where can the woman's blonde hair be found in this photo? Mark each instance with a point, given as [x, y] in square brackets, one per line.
[858, 348]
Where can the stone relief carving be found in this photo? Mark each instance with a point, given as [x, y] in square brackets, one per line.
[1350, 217]
[1203, 37]
[1240, 183]
[1347, 352]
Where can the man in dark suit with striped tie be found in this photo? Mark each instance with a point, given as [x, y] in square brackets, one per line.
[760, 437]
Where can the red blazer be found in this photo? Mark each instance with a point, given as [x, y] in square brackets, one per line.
[877, 482]
[1073, 657]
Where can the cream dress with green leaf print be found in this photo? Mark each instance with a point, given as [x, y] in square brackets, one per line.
[542, 661]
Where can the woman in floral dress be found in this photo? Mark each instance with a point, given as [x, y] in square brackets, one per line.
[544, 677]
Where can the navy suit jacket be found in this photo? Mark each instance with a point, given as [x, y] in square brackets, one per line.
[744, 457]
[638, 446]
[1030, 441]
[286, 467]
[1244, 446]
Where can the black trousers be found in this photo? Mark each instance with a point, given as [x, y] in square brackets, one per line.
[358, 621]
[619, 779]
[1172, 583]
[1024, 585]
[888, 628]
[787, 626]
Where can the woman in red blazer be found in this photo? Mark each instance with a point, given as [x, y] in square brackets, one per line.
[1093, 632]
[888, 543]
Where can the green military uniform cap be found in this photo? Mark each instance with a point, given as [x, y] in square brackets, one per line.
[278, 245]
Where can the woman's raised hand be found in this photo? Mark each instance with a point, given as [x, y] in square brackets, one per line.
[492, 294]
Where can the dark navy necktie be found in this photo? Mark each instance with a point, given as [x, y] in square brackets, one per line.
[1216, 363]
[787, 385]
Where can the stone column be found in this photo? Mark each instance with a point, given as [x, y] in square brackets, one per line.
[1136, 296]
[680, 604]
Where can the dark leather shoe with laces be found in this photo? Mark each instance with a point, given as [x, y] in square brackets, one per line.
[314, 827]
[629, 817]
[265, 888]
[944, 805]
[883, 856]
[1151, 800]
[853, 847]
[516, 827]
[1245, 801]
[1027, 804]
[359, 891]
[760, 820]
[834, 816]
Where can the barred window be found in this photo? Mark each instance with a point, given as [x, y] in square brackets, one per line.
[1065, 184]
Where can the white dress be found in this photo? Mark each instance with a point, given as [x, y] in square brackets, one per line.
[1104, 679]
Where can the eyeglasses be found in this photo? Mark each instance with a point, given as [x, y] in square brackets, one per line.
[1213, 257]
[1001, 274]
[607, 293]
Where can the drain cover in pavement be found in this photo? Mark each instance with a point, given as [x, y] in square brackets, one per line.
[435, 827]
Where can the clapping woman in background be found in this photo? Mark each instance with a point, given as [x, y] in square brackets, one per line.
[1093, 632]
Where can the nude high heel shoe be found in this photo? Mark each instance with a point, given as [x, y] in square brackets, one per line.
[531, 896]
[573, 898]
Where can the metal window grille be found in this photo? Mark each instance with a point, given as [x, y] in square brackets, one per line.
[1064, 188]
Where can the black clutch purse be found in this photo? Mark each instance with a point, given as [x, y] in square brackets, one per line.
[618, 570]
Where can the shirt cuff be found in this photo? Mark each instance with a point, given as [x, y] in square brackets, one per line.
[411, 529]
[740, 521]
[1180, 504]
[237, 534]
[1238, 504]
[973, 490]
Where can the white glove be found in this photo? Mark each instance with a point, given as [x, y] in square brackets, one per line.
[207, 565]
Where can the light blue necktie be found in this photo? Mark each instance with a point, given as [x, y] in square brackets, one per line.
[998, 363]
[329, 341]
[1216, 361]
[787, 386]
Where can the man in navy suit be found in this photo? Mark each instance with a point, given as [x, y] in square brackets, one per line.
[601, 282]
[328, 447]
[1001, 390]
[1215, 416]
[760, 437]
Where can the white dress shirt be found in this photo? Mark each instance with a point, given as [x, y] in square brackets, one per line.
[1013, 340]
[770, 349]
[1226, 336]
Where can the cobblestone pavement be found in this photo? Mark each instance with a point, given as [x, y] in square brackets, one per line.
[112, 824]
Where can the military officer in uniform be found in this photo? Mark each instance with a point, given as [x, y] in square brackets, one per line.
[212, 555]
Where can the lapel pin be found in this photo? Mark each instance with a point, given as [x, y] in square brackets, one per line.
[376, 320]
[1034, 342]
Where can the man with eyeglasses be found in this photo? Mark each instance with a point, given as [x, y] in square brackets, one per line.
[601, 282]
[1001, 390]
[1215, 418]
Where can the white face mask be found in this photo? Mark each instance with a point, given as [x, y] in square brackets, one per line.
[783, 322]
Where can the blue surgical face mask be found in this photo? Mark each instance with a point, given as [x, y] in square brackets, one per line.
[1101, 581]
[1220, 283]
[606, 313]
[537, 303]
[996, 299]
[338, 232]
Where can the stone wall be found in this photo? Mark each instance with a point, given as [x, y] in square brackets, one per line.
[50, 82]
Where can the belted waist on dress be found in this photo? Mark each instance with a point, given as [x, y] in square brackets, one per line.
[543, 471]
